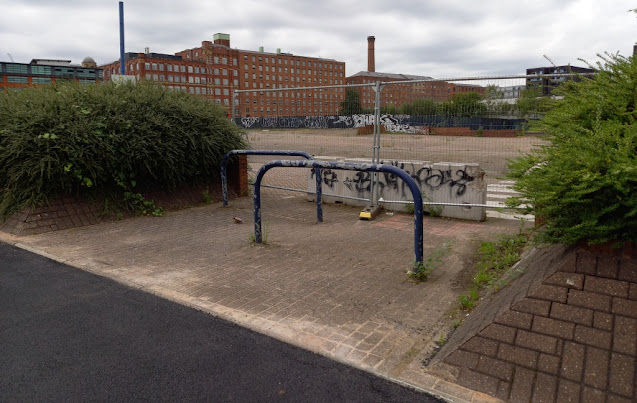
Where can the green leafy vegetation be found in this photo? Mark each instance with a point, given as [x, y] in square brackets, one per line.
[582, 185]
[351, 105]
[107, 141]
[421, 271]
[496, 258]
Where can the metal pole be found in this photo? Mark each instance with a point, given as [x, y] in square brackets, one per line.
[376, 143]
[289, 153]
[418, 210]
[122, 67]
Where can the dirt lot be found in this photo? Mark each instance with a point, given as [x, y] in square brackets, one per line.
[491, 153]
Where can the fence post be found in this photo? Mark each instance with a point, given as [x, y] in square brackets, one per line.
[372, 210]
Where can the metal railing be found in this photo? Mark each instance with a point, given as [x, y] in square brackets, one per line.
[413, 187]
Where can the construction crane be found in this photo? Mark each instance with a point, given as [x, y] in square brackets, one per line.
[10, 57]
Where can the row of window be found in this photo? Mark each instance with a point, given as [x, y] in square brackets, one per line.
[297, 71]
[298, 103]
[320, 81]
[288, 94]
[298, 62]
[48, 71]
[37, 80]
[287, 111]
[191, 79]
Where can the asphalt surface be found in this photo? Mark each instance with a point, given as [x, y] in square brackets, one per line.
[70, 335]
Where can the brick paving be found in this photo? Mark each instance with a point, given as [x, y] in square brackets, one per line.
[565, 331]
[338, 288]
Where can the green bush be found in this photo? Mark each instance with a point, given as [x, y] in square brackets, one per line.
[583, 185]
[106, 139]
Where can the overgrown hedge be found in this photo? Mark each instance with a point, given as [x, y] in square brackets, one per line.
[583, 186]
[106, 139]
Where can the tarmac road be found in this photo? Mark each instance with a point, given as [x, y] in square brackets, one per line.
[70, 335]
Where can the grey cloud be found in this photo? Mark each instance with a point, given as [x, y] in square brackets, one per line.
[436, 37]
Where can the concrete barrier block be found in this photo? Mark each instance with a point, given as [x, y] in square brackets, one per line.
[442, 182]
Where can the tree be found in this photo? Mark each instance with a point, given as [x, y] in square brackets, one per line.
[352, 103]
[532, 104]
[389, 109]
[420, 107]
[583, 184]
[465, 104]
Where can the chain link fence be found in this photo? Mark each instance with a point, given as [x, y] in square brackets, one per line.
[478, 122]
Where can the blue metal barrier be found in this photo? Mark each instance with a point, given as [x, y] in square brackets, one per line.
[289, 153]
[348, 166]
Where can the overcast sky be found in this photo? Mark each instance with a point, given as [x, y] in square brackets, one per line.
[438, 38]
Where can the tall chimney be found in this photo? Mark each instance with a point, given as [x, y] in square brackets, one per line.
[371, 65]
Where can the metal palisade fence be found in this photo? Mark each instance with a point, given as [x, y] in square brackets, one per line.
[454, 136]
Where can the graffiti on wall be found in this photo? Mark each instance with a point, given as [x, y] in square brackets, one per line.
[453, 178]
[392, 123]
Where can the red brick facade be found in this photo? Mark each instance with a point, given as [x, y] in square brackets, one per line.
[215, 71]
[399, 94]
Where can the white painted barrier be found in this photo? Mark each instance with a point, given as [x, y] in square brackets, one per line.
[442, 182]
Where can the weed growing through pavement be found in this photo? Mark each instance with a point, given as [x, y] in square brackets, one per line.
[422, 270]
[496, 259]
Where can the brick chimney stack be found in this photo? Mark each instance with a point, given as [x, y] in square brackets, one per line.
[371, 64]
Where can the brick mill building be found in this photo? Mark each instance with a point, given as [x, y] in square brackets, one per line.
[215, 70]
[46, 71]
[398, 94]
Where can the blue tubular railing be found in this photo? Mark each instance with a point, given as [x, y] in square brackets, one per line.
[348, 166]
[289, 153]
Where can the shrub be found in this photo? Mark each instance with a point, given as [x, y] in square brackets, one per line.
[106, 139]
[583, 184]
